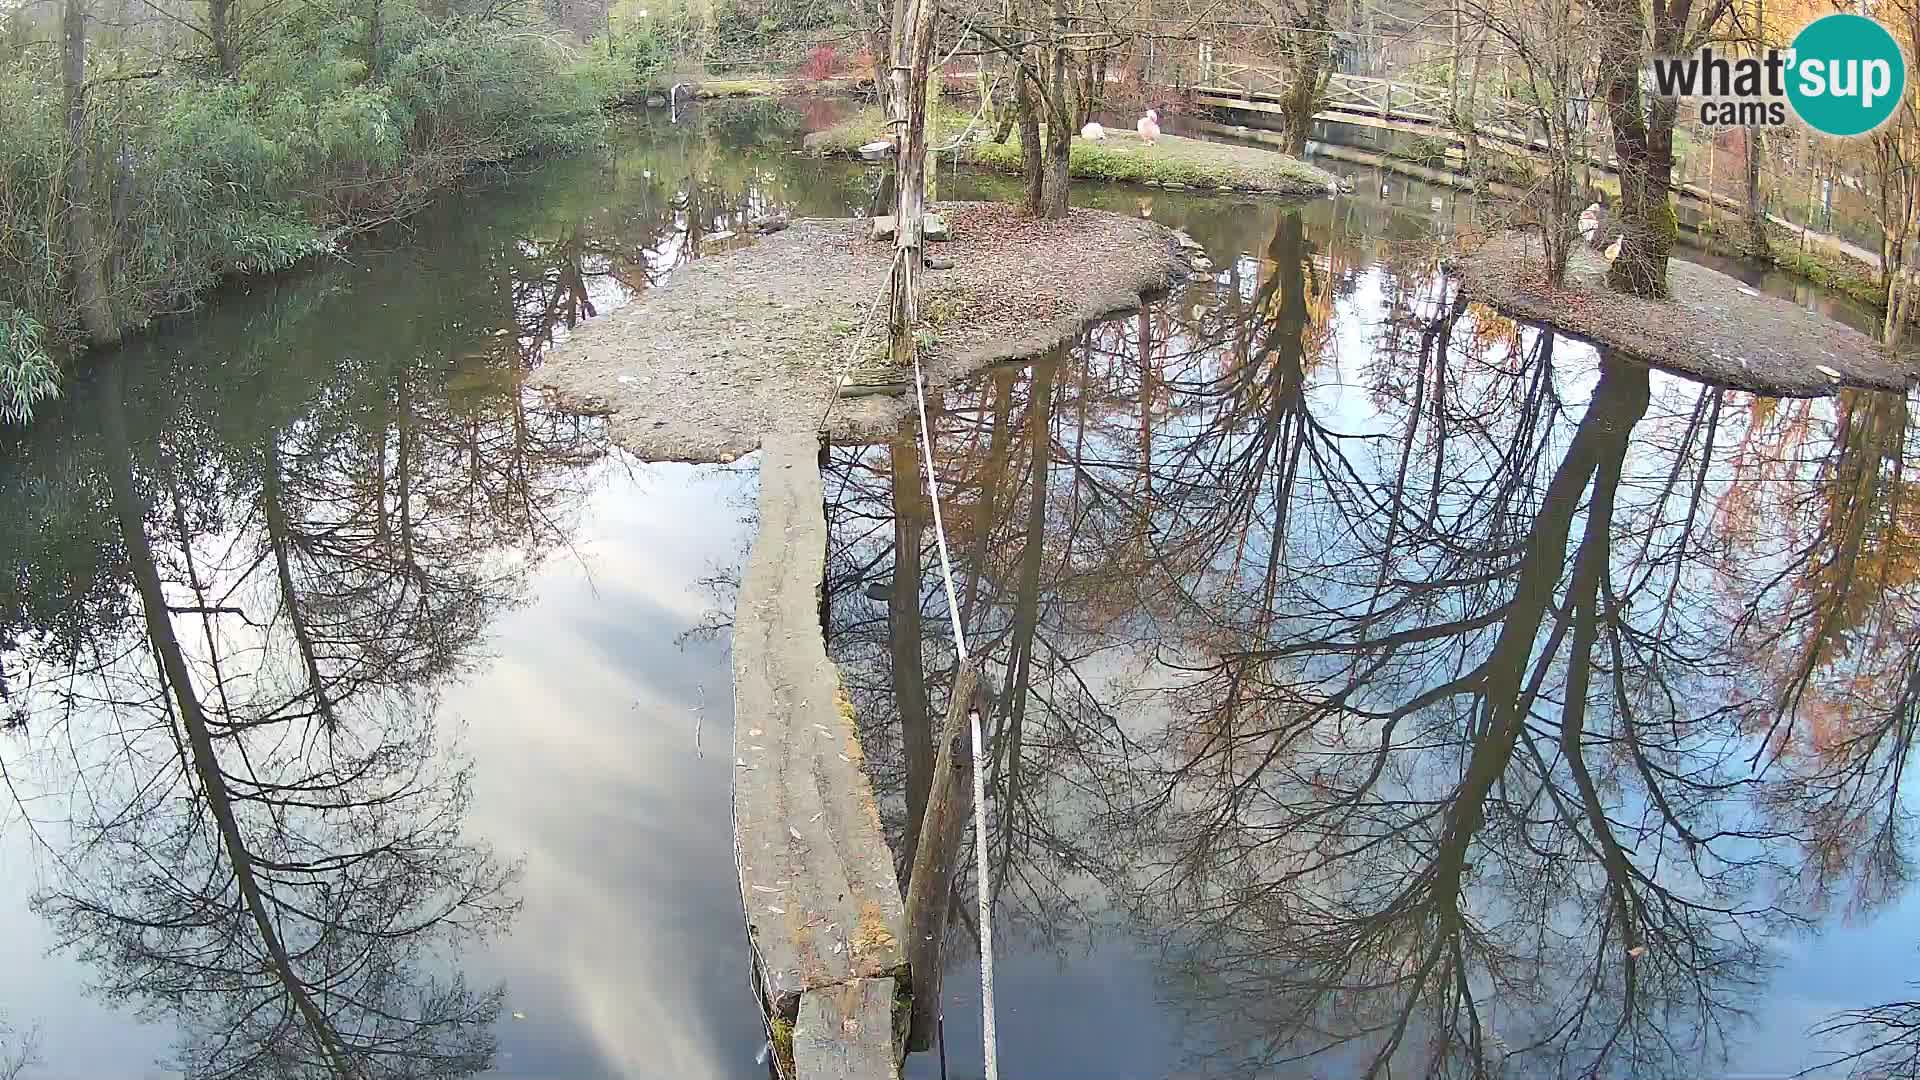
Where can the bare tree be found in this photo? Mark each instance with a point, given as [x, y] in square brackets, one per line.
[1546, 37]
[1643, 126]
[17, 1055]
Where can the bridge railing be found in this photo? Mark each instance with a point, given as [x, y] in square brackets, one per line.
[1387, 99]
[1392, 100]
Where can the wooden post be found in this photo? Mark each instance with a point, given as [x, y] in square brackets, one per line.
[912, 55]
[1386, 102]
[931, 119]
[937, 859]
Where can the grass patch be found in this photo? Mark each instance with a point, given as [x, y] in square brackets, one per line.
[1171, 161]
[746, 86]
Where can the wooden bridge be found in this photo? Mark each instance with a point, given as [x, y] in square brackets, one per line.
[1420, 108]
[1415, 108]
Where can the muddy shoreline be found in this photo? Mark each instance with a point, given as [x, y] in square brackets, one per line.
[1714, 327]
[758, 340]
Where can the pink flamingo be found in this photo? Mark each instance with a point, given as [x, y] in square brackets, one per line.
[1149, 125]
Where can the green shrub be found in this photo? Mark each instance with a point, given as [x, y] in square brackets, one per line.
[627, 62]
[27, 374]
[490, 97]
[197, 177]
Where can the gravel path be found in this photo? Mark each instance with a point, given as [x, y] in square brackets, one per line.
[754, 342]
[1714, 327]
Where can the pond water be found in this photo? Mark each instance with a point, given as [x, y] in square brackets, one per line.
[350, 688]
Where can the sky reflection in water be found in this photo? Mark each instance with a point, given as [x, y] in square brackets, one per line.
[461, 667]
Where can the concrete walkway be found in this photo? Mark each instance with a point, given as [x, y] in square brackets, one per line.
[824, 910]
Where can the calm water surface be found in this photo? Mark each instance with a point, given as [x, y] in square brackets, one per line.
[348, 687]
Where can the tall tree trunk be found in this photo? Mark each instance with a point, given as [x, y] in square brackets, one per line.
[1453, 66]
[1032, 155]
[376, 38]
[907, 102]
[1643, 145]
[1900, 275]
[903, 629]
[1058, 95]
[1026, 606]
[1307, 49]
[1467, 118]
[1056, 185]
[83, 248]
[217, 29]
[1001, 109]
[878, 16]
[129, 512]
[279, 539]
[1756, 209]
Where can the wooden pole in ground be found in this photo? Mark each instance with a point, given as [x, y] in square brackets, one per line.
[948, 805]
[937, 859]
[912, 56]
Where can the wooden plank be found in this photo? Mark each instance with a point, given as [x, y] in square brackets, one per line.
[845, 1032]
[822, 900]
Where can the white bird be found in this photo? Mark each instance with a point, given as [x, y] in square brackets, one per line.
[1589, 222]
[1613, 249]
[1149, 125]
[1093, 132]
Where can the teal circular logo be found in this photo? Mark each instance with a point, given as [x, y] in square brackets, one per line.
[1847, 75]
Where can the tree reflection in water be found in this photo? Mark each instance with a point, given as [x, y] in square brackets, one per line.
[1482, 707]
[241, 590]
[250, 558]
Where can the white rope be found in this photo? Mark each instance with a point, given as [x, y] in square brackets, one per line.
[989, 1040]
[843, 374]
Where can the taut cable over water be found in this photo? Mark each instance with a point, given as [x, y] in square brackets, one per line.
[987, 1035]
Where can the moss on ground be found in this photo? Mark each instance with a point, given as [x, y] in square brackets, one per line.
[1845, 277]
[1171, 161]
[780, 1034]
[751, 86]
